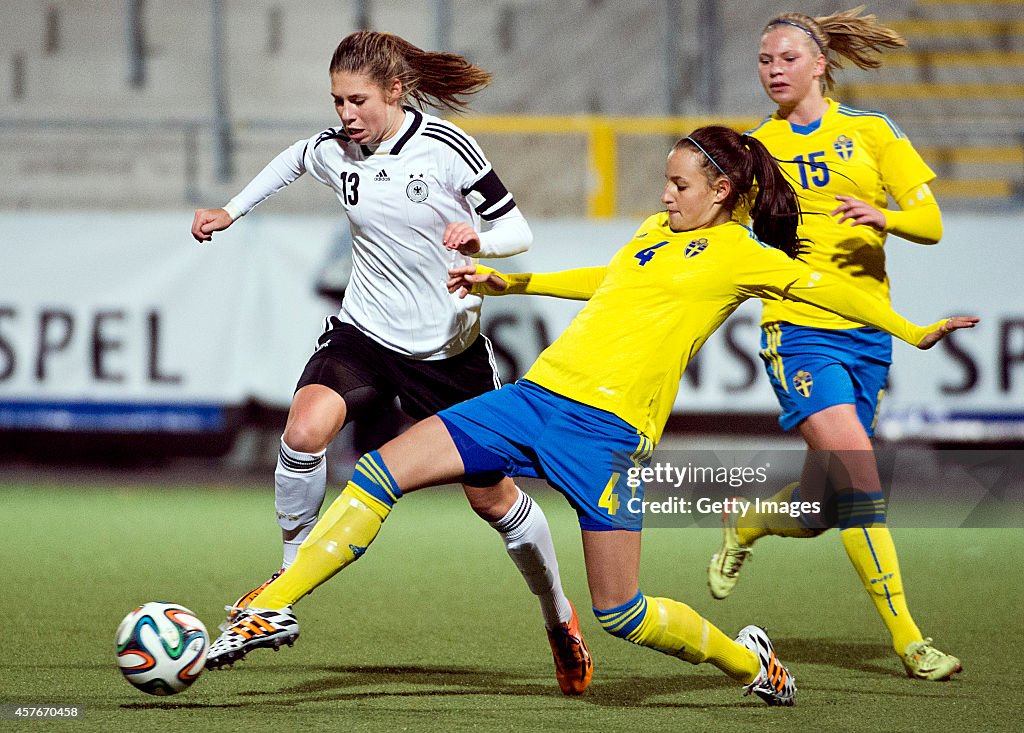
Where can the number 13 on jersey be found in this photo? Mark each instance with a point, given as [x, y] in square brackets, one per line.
[350, 188]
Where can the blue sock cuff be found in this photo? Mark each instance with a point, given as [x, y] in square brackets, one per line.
[622, 620]
[860, 509]
[372, 476]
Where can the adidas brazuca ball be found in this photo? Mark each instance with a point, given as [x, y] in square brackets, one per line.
[161, 648]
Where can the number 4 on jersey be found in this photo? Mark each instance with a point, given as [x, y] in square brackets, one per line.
[647, 254]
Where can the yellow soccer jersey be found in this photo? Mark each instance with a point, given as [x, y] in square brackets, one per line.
[657, 302]
[848, 152]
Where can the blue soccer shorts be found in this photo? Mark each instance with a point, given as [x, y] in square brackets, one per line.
[814, 368]
[591, 456]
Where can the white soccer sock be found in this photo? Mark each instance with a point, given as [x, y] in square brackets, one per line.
[527, 537]
[300, 484]
[290, 548]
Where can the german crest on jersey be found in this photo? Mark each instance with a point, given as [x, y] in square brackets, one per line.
[803, 382]
[843, 147]
[695, 247]
[417, 190]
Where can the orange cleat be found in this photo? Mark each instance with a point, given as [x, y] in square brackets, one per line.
[573, 664]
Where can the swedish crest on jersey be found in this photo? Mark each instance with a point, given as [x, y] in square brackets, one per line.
[802, 383]
[695, 247]
[843, 147]
[417, 190]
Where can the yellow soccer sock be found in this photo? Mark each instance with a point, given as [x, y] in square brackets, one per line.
[674, 628]
[340, 537]
[731, 657]
[873, 554]
[761, 524]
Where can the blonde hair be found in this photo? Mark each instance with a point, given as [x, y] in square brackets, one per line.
[858, 38]
[431, 78]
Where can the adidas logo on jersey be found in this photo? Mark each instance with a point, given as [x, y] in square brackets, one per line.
[382, 176]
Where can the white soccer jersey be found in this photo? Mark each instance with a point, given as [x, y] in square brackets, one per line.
[399, 197]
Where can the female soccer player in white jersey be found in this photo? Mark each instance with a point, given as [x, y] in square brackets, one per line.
[412, 187]
[586, 415]
[829, 373]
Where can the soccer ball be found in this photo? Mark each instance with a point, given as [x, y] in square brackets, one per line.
[161, 647]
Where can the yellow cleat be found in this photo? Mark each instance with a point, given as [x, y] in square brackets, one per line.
[724, 570]
[924, 662]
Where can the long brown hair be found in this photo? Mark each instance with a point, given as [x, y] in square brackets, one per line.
[432, 79]
[858, 38]
[744, 160]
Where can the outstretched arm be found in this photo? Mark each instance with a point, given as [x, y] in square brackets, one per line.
[856, 305]
[945, 328]
[207, 221]
[576, 284]
[278, 173]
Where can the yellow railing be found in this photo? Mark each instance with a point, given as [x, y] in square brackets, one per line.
[958, 27]
[603, 137]
[932, 90]
[602, 134]
[968, 2]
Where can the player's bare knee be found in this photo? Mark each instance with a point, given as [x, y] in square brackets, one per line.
[493, 502]
[304, 437]
[487, 510]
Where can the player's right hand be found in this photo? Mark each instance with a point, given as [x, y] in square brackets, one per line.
[208, 221]
[476, 279]
[946, 327]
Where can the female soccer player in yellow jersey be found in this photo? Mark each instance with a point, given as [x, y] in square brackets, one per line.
[420, 197]
[584, 415]
[829, 373]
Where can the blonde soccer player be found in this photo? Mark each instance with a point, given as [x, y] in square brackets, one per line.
[829, 372]
[594, 404]
[420, 197]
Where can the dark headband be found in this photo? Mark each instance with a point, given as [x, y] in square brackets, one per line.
[805, 30]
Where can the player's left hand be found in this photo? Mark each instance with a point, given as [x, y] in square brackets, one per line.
[859, 212]
[461, 237]
[945, 328]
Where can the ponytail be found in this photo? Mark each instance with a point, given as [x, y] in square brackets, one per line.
[744, 161]
[432, 79]
[858, 38]
[775, 213]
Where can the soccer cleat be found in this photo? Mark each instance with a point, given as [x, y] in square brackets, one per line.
[573, 664]
[924, 662]
[724, 570]
[253, 628]
[773, 684]
[246, 599]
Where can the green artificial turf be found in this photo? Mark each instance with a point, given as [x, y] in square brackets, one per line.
[433, 629]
